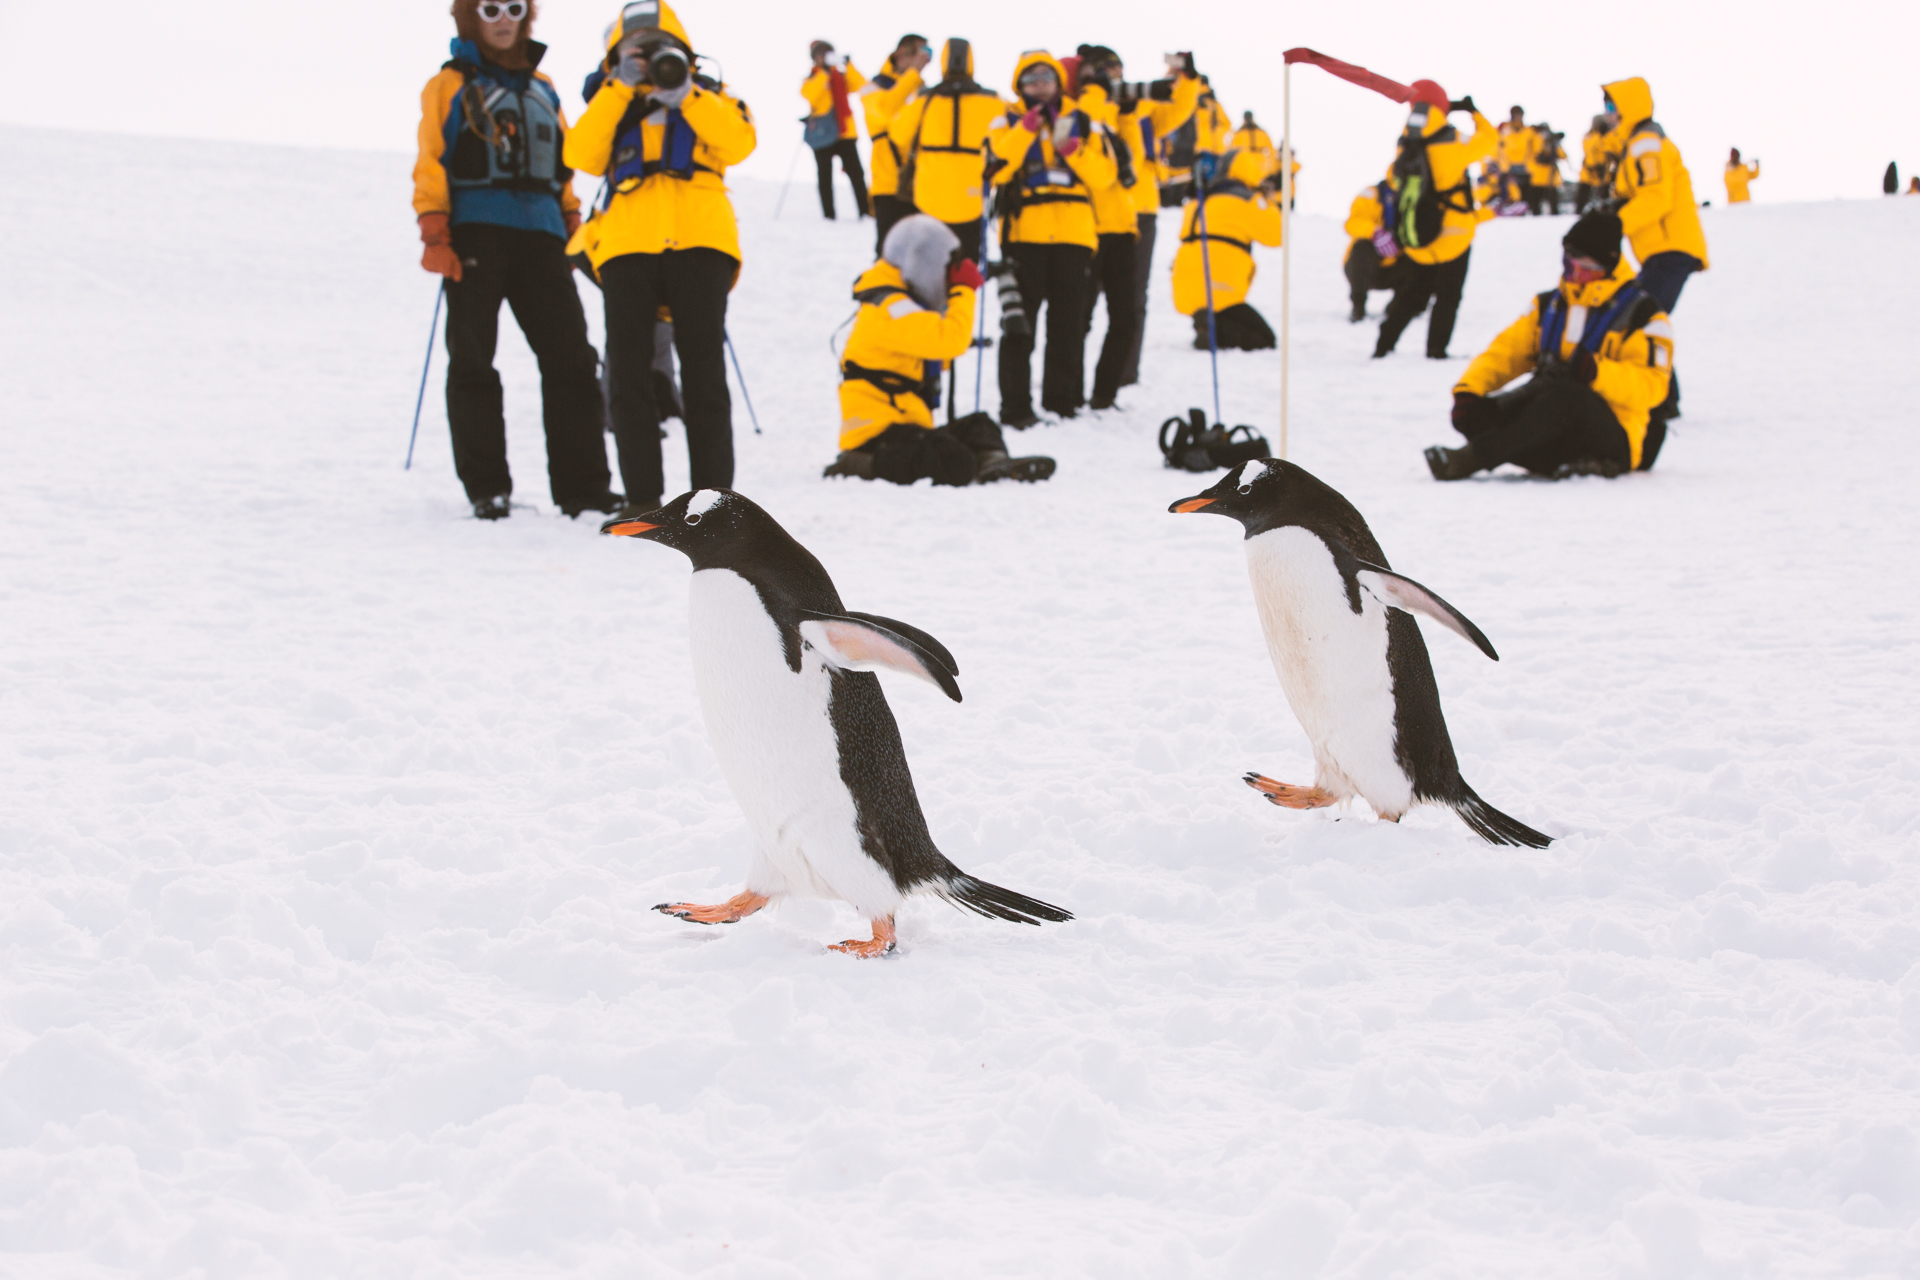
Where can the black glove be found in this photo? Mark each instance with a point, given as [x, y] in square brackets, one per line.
[1471, 412]
[1583, 366]
[1463, 104]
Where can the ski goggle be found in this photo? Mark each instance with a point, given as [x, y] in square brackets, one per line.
[1581, 270]
[494, 10]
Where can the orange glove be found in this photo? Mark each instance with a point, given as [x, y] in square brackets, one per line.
[439, 256]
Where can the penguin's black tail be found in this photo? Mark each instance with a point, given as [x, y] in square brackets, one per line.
[962, 890]
[1492, 825]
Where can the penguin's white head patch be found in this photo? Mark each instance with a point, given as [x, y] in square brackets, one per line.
[701, 503]
[1250, 473]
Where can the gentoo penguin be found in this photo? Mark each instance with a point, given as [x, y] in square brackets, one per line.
[803, 733]
[1352, 663]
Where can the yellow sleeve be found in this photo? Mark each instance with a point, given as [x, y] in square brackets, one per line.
[590, 141]
[1653, 187]
[1009, 144]
[1485, 139]
[1263, 222]
[1093, 161]
[906, 124]
[817, 92]
[1640, 372]
[882, 106]
[721, 122]
[1506, 357]
[1168, 116]
[855, 81]
[430, 193]
[928, 335]
[1364, 218]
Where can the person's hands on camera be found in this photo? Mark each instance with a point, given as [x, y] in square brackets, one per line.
[965, 274]
[1464, 104]
[675, 96]
[1180, 64]
[632, 71]
[1471, 412]
[439, 256]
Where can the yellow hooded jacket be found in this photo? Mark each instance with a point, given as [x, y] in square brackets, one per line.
[1252, 139]
[1543, 170]
[817, 89]
[1738, 176]
[1449, 161]
[939, 138]
[1517, 143]
[1056, 197]
[1596, 168]
[885, 362]
[660, 212]
[1143, 127]
[1363, 219]
[882, 100]
[1660, 214]
[1238, 217]
[1116, 208]
[1212, 130]
[1636, 364]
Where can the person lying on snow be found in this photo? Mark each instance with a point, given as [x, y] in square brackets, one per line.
[916, 315]
[1600, 349]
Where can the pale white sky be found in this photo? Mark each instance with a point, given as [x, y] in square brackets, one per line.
[1822, 93]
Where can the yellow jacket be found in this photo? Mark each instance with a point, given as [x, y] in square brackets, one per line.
[1238, 217]
[1516, 146]
[1738, 176]
[1145, 126]
[1253, 140]
[1212, 129]
[1596, 167]
[817, 89]
[1363, 219]
[1543, 170]
[1635, 365]
[1449, 161]
[894, 339]
[1660, 214]
[882, 99]
[939, 137]
[1055, 193]
[1117, 208]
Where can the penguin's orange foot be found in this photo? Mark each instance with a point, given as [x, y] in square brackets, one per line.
[1288, 796]
[868, 948]
[732, 911]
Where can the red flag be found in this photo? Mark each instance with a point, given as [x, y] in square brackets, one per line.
[1418, 91]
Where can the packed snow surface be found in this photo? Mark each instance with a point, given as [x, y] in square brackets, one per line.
[334, 818]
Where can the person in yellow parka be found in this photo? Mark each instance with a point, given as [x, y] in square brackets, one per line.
[1739, 174]
[1373, 255]
[1433, 217]
[940, 137]
[666, 237]
[1251, 139]
[1515, 153]
[1600, 350]
[1543, 171]
[831, 131]
[1138, 120]
[916, 316]
[891, 88]
[1596, 167]
[1048, 158]
[494, 202]
[1206, 132]
[1216, 246]
[1654, 193]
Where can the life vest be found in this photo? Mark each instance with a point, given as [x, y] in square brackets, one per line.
[1035, 173]
[630, 166]
[500, 138]
[1630, 308]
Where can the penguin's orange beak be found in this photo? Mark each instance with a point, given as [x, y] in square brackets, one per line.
[1188, 505]
[627, 528]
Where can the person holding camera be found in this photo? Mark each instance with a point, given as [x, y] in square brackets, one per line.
[1048, 158]
[891, 89]
[1598, 158]
[1213, 269]
[939, 138]
[1739, 175]
[1600, 349]
[831, 132]
[666, 238]
[1205, 132]
[1433, 217]
[1543, 171]
[495, 204]
[916, 316]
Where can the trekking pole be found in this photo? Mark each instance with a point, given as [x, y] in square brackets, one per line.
[1206, 274]
[741, 378]
[781, 203]
[1286, 247]
[980, 339]
[420, 401]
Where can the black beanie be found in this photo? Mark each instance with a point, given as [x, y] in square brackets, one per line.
[1596, 236]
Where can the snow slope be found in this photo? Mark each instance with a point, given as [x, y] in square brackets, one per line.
[333, 818]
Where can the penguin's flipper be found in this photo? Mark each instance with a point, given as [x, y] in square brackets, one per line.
[854, 644]
[1288, 796]
[912, 633]
[1404, 593]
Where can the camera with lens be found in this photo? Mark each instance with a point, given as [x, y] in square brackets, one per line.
[667, 68]
[1013, 308]
[1131, 93]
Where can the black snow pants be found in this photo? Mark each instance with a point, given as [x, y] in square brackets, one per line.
[1419, 283]
[1147, 224]
[1054, 276]
[528, 271]
[1113, 268]
[1547, 423]
[887, 210]
[693, 283]
[849, 152]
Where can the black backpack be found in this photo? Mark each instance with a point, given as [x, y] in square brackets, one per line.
[1420, 205]
[1189, 444]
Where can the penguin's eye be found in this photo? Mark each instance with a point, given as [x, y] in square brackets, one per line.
[1246, 488]
[694, 518]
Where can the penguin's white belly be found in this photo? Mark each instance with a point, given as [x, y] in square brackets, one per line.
[771, 731]
[1332, 664]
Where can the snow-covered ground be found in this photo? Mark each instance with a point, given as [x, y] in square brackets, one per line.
[332, 818]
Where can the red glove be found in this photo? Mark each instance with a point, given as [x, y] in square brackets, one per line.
[572, 220]
[1067, 148]
[1033, 121]
[439, 257]
[965, 274]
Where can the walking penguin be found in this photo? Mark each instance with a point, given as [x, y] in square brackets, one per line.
[1341, 634]
[802, 731]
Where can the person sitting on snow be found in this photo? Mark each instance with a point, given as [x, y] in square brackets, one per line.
[1600, 349]
[1241, 211]
[916, 315]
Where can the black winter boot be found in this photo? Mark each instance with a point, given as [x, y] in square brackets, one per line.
[1451, 464]
[494, 508]
[998, 466]
[854, 462]
[606, 504]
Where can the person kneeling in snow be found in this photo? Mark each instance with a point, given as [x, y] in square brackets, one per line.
[1600, 350]
[916, 314]
[1241, 211]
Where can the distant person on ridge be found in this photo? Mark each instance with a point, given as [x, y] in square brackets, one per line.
[1739, 175]
[495, 203]
[1600, 349]
[896, 84]
[831, 131]
[1433, 216]
[664, 137]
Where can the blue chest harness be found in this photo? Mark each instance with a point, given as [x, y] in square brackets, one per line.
[1553, 320]
[630, 165]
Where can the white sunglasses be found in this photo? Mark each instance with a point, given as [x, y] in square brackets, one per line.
[494, 10]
